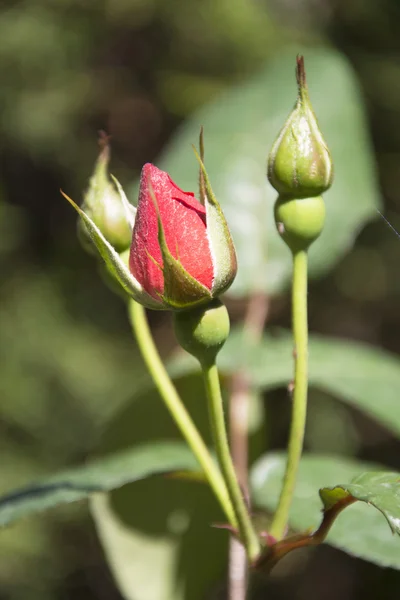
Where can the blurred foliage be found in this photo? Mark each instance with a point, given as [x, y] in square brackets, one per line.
[72, 485]
[138, 69]
[351, 372]
[136, 528]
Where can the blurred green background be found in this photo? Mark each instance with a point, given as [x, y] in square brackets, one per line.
[139, 69]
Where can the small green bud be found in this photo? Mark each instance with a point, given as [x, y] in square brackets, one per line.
[299, 221]
[300, 164]
[104, 205]
[202, 331]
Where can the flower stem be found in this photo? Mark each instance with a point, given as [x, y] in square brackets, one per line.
[177, 409]
[246, 530]
[241, 393]
[299, 407]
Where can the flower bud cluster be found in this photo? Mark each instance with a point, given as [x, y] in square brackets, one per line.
[181, 251]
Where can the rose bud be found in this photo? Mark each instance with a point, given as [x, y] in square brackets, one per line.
[182, 251]
[105, 203]
[300, 164]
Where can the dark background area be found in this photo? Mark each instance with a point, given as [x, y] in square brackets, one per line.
[138, 69]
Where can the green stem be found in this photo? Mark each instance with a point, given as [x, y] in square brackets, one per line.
[246, 530]
[299, 407]
[177, 409]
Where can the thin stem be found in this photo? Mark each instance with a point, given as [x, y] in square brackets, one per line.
[238, 436]
[275, 553]
[239, 405]
[299, 407]
[246, 530]
[177, 409]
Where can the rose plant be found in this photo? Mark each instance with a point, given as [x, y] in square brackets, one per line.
[179, 255]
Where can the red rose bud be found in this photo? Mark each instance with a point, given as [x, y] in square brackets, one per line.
[105, 203]
[182, 252]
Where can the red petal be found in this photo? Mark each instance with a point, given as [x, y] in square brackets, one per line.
[183, 219]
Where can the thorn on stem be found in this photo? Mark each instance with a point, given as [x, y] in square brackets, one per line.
[226, 526]
[269, 539]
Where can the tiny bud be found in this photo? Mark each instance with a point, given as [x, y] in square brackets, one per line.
[103, 204]
[300, 164]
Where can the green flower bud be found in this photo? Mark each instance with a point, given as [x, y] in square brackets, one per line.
[300, 164]
[299, 221]
[203, 330]
[104, 204]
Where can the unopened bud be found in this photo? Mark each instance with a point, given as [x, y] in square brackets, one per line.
[300, 164]
[104, 205]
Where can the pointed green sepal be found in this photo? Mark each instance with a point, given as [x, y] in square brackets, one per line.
[130, 210]
[221, 244]
[202, 187]
[114, 262]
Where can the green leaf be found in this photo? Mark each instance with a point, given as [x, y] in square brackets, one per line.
[103, 474]
[240, 127]
[367, 378]
[359, 530]
[166, 522]
[379, 489]
[160, 522]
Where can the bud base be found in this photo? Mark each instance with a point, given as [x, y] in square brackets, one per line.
[202, 331]
[299, 221]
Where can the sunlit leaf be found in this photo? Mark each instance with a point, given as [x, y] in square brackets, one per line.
[101, 475]
[360, 530]
[377, 488]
